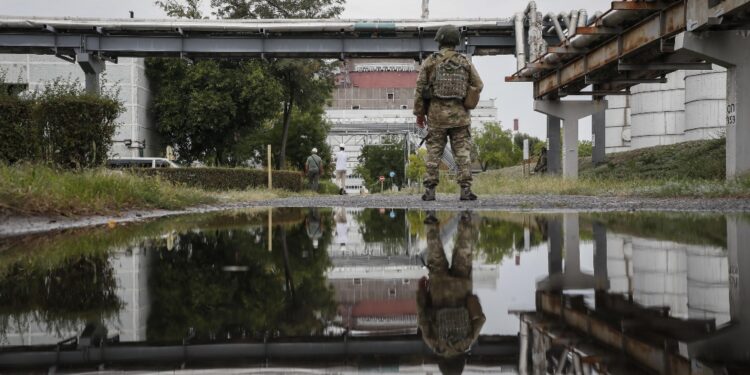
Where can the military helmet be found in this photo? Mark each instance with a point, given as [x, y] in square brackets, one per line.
[448, 35]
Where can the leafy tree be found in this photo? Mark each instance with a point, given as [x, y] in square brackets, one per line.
[175, 8]
[307, 83]
[534, 143]
[386, 228]
[206, 108]
[417, 166]
[380, 160]
[283, 292]
[495, 147]
[308, 129]
[497, 238]
[277, 8]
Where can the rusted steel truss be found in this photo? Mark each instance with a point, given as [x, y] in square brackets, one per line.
[660, 25]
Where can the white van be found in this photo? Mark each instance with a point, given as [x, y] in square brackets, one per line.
[136, 162]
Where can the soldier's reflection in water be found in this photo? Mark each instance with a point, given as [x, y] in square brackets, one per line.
[450, 315]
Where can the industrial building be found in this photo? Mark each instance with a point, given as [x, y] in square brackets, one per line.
[372, 104]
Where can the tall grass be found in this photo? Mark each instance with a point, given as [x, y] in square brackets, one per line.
[35, 189]
[499, 184]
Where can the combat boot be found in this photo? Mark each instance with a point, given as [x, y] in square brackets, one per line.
[429, 194]
[467, 195]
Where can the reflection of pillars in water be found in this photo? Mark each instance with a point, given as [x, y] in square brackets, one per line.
[601, 277]
[738, 236]
[554, 248]
[572, 277]
[729, 344]
[572, 244]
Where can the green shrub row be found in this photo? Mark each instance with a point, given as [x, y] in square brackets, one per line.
[61, 125]
[227, 178]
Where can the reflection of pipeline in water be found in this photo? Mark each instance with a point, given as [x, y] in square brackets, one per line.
[313, 350]
[450, 316]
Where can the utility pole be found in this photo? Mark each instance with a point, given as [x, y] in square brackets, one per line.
[425, 9]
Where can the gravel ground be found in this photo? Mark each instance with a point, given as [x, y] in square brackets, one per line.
[15, 225]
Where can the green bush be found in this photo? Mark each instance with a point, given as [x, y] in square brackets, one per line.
[227, 178]
[62, 125]
[18, 139]
[78, 126]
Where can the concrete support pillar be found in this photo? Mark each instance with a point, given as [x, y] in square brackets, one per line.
[554, 146]
[570, 111]
[92, 66]
[730, 50]
[598, 134]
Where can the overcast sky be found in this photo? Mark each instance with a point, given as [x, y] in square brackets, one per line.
[514, 100]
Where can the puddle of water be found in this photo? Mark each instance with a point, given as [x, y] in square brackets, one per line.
[381, 290]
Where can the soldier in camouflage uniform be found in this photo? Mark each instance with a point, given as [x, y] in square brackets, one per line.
[448, 118]
[450, 316]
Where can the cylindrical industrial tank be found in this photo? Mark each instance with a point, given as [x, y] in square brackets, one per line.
[658, 112]
[617, 124]
[708, 283]
[705, 103]
[618, 263]
[660, 275]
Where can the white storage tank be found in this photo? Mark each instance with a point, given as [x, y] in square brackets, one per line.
[708, 283]
[660, 275]
[619, 263]
[705, 103]
[617, 124]
[658, 112]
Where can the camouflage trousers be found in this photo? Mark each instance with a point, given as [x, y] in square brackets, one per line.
[449, 284]
[461, 146]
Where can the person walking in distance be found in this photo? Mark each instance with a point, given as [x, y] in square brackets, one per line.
[341, 161]
[447, 88]
[313, 169]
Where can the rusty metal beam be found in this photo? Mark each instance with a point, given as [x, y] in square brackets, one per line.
[634, 81]
[518, 79]
[638, 5]
[664, 66]
[598, 30]
[565, 50]
[660, 25]
[594, 93]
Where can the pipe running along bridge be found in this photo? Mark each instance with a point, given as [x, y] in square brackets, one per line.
[561, 54]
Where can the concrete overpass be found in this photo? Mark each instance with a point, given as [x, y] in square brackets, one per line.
[638, 42]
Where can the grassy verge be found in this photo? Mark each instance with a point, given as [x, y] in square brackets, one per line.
[35, 189]
[491, 183]
[684, 170]
[40, 190]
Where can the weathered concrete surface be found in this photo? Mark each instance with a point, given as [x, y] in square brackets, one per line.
[15, 225]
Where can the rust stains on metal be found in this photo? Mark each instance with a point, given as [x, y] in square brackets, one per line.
[646, 34]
